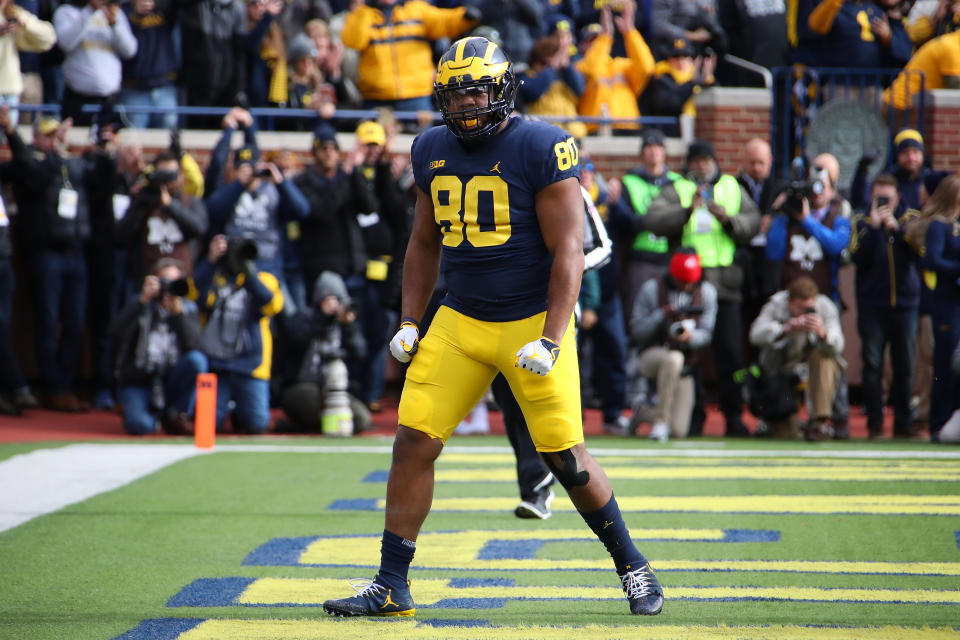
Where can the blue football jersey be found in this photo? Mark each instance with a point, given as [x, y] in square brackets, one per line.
[494, 261]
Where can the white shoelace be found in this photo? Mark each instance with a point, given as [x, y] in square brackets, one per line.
[636, 584]
[365, 585]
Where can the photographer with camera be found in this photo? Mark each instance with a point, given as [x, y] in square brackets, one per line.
[258, 202]
[156, 340]
[673, 317]
[888, 299]
[237, 301]
[162, 221]
[799, 326]
[709, 212]
[811, 235]
[321, 338]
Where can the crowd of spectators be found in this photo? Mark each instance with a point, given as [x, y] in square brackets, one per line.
[284, 279]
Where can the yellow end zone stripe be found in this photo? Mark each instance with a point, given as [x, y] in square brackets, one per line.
[810, 504]
[361, 629]
[314, 591]
[726, 472]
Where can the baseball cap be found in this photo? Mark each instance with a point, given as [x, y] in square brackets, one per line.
[700, 149]
[324, 133]
[685, 267]
[559, 22]
[651, 136]
[908, 138]
[371, 133]
[590, 31]
[680, 47]
[247, 154]
[45, 126]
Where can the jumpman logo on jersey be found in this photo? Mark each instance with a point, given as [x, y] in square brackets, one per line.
[607, 524]
[389, 600]
[496, 168]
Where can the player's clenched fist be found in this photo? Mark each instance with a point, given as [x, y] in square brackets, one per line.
[406, 341]
[538, 356]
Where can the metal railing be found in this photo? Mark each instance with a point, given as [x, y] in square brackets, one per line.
[351, 115]
[800, 93]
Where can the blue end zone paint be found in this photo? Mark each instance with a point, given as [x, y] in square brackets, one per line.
[468, 603]
[957, 536]
[279, 552]
[377, 476]
[467, 583]
[211, 592]
[439, 624]
[750, 535]
[510, 549]
[356, 504]
[160, 629]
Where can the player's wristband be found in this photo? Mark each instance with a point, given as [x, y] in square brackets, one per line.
[410, 321]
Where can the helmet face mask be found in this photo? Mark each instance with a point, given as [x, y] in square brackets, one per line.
[471, 66]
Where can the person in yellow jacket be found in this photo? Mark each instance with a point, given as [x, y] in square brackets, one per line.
[394, 37]
[938, 60]
[613, 84]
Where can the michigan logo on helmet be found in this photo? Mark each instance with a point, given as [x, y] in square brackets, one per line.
[475, 88]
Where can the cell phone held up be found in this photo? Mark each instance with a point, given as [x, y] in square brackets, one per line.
[883, 201]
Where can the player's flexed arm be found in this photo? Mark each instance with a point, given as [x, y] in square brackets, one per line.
[420, 268]
[560, 214]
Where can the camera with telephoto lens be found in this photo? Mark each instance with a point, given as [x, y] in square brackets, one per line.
[155, 180]
[178, 288]
[241, 252]
[802, 185]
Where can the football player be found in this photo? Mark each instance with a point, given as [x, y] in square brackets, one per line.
[498, 199]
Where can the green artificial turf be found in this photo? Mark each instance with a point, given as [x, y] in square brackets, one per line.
[98, 568]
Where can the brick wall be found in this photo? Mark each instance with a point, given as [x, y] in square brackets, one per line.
[943, 129]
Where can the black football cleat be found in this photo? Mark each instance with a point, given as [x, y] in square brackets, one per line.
[643, 591]
[372, 599]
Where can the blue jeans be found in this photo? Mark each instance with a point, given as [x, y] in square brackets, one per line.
[11, 378]
[179, 387]
[898, 328]
[158, 97]
[60, 296]
[251, 399]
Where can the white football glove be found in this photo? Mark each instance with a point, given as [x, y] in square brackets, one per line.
[406, 340]
[538, 356]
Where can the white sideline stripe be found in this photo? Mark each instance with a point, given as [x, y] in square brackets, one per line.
[46, 480]
[636, 453]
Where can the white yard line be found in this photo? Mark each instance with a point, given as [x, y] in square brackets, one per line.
[45, 480]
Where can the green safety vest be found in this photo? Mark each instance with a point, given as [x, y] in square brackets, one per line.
[714, 246]
[642, 194]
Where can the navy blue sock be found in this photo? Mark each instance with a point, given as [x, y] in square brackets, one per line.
[396, 554]
[607, 523]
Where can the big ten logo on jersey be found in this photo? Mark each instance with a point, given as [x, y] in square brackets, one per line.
[567, 154]
[436, 164]
[251, 211]
[163, 233]
[477, 212]
[805, 251]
